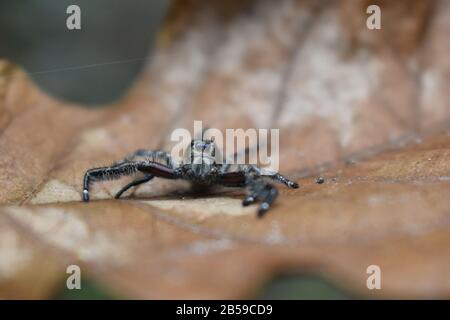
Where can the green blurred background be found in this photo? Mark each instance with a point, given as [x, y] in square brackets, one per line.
[34, 35]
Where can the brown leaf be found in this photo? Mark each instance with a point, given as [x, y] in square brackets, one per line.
[372, 118]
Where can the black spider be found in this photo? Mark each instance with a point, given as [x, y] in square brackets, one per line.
[202, 169]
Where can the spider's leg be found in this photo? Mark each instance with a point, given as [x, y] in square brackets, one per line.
[262, 172]
[126, 168]
[134, 184]
[232, 179]
[268, 196]
[259, 189]
[158, 170]
[280, 178]
[155, 156]
[249, 199]
[106, 173]
[237, 179]
[263, 192]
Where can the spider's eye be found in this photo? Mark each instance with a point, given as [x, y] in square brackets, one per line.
[200, 145]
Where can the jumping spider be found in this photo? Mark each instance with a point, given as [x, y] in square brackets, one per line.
[202, 170]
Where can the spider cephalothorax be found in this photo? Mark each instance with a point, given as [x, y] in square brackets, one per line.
[199, 166]
[200, 162]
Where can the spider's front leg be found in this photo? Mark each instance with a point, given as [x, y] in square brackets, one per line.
[255, 179]
[150, 169]
[282, 179]
[106, 173]
[259, 189]
[263, 192]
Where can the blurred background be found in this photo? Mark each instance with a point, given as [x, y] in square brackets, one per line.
[94, 65]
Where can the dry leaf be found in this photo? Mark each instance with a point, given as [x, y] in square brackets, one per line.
[372, 118]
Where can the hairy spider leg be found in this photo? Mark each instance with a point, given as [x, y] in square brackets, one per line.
[106, 173]
[154, 156]
[282, 179]
[124, 169]
[277, 177]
